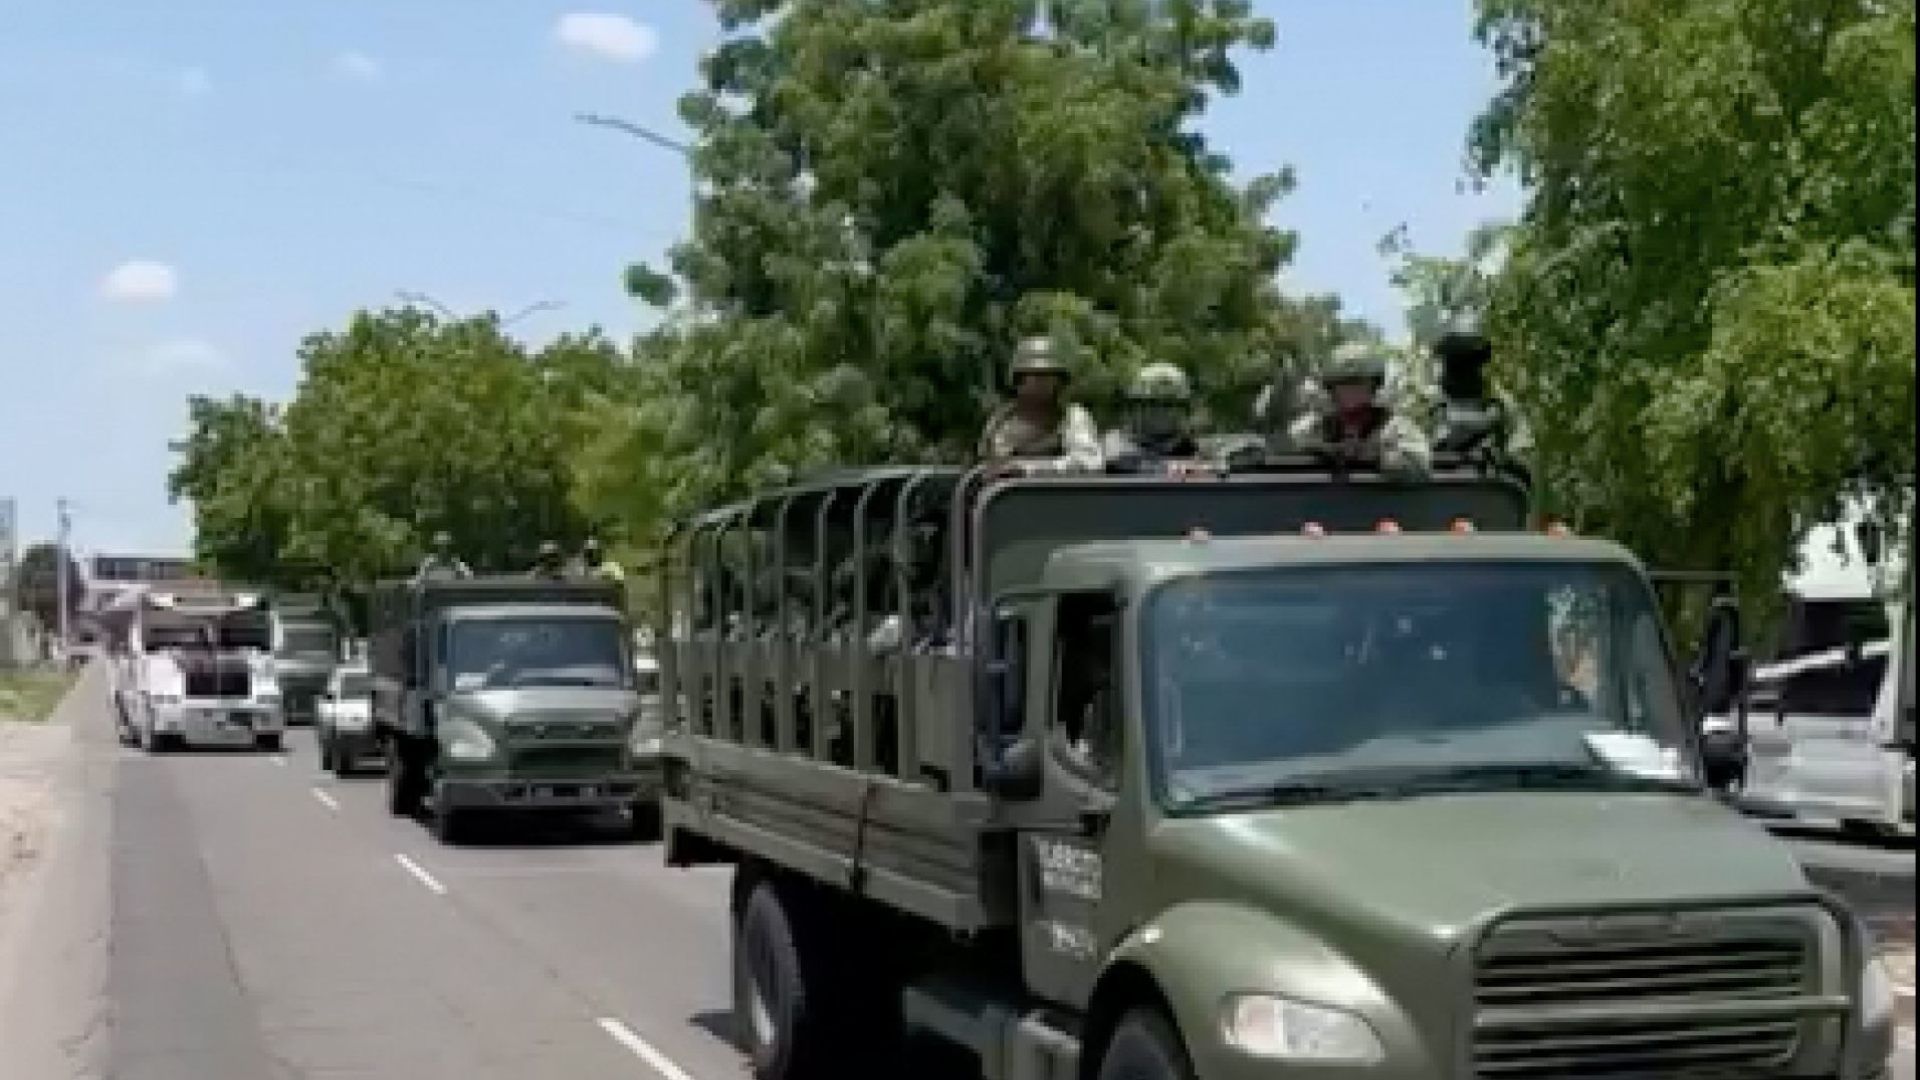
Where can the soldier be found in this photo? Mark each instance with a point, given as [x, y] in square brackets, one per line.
[1474, 417]
[594, 562]
[1355, 425]
[549, 563]
[1039, 432]
[1158, 436]
[440, 561]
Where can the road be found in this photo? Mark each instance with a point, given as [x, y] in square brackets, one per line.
[267, 922]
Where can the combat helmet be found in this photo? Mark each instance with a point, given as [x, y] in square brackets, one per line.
[1356, 361]
[1160, 384]
[1038, 356]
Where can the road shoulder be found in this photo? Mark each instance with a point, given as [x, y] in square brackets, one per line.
[54, 913]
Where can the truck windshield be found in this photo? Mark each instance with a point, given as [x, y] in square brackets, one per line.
[355, 687]
[1391, 681]
[493, 654]
[308, 640]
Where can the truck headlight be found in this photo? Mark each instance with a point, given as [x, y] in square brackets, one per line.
[464, 740]
[1877, 1002]
[1283, 1029]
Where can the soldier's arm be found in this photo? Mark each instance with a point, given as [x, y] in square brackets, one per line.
[1079, 440]
[1405, 453]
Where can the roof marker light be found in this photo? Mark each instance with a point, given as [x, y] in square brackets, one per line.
[1198, 535]
[1462, 526]
[1556, 527]
[1313, 528]
[1388, 527]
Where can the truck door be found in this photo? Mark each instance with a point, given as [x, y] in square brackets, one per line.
[1065, 927]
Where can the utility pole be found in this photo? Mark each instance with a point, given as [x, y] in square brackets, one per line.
[61, 585]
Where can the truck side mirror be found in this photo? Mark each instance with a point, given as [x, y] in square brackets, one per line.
[1721, 669]
[1013, 762]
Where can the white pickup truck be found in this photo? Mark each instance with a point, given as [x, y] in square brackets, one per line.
[343, 724]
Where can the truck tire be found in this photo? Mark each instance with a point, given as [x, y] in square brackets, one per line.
[1145, 1047]
[451, 824]
[779, 1006]
[405, 786]
[272, 743]
[325, 747]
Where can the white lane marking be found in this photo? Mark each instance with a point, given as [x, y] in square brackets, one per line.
[420, 872]
[660, 1062]
[279, 760]
[326, 800]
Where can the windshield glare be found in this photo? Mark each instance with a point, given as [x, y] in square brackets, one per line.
[1471, 675]
[495, 654]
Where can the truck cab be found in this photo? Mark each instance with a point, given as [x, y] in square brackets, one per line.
[306, 648]
[1277, 776]
[507, 694]
[195, 668]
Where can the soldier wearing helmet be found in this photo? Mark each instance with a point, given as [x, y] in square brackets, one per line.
[1159, 426]
[549, 563]
[440, 561]
[1040, 432]
[1474, 416]
[1354, 424]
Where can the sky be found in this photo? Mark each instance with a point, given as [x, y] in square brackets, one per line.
[189, 188]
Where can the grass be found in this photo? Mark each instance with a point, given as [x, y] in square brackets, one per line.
[31, 696]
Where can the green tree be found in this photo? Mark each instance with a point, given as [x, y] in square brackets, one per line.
[37, 584]
[894, 193]
[1709, 298]
[403, 425]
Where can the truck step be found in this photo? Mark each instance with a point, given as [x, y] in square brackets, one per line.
[1012, 1041]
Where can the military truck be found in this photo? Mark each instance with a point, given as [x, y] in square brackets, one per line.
[307, 635]
[1279, 774]
[496, 694]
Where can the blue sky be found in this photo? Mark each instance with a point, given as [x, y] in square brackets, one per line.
[187, 188]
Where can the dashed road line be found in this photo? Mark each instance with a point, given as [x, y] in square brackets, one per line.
[659, 1062]
[420, 873]
[327, 800]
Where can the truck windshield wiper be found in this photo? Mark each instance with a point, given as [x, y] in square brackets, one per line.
[1537, 776]
[1288, 793]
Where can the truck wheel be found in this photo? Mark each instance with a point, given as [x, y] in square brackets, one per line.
[450, 824]
[325, 747]
[644, 822]
[776, 1010]
[403, 780]
[339, 761]
[1145, 1047]
[271, 742]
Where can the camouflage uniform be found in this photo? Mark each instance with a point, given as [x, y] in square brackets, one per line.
[549, 563]
[1382, 437]
[1474, 415]
[1068, 443]
[1138, 448]
[441, 564]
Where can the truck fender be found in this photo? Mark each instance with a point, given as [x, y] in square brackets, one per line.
[1195, 956]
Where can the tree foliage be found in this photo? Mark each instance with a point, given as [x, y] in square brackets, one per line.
[1708, 303]
[895, 192]
[37, 584]
[403, 425]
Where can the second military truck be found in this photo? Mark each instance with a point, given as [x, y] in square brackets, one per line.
[495, 694]
[1279, 776]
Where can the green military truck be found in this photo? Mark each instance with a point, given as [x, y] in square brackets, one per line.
[306, 648]
[1271, 776]
[497, 694]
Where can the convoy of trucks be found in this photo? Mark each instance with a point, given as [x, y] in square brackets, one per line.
[193, 667]
[497, 694]
[1277, 774]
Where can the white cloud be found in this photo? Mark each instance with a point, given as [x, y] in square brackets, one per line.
[140, 281]
[181, 356]
[608, 37]
[357, 67]
[193, 82]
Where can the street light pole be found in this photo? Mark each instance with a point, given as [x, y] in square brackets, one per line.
[420, 299]
[646, 134]
[61, 585]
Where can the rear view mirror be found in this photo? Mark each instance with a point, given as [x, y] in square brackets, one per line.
[1721, 669]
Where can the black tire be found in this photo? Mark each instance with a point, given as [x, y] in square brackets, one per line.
[451, 825]
[644, 822]
[404, 787]
[778, 1010]
[324, 747]
[272, 743]
[339, 761]
[1145, 1047]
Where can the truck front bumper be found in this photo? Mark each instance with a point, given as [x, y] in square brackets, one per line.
[356, 745]
[200, 724]
[617, 792]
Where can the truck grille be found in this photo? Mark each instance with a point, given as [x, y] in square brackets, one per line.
[566, 762]
[1715, 1000]
[218, 684]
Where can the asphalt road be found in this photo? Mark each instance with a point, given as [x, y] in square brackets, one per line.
[271, 923]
